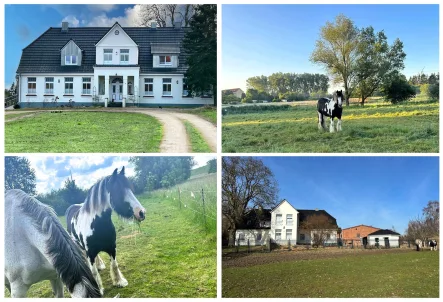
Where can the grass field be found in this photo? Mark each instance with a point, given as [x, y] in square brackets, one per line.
[17, 115]
[405, 274]
[97, 132]
[198, 143]
[172, 255]
[208, 113]
[377, 127]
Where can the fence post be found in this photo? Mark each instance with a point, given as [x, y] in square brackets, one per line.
[248, 247]
[204, 211]
[179, 200]
[269, 244]
[289, 245]
[238, 243]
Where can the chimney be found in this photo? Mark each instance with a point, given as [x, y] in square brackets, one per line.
[65, 26]
[177, 24]
[154, 25]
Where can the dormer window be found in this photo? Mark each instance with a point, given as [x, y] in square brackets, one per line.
[107, 56]
[165, 60]
[70, 60]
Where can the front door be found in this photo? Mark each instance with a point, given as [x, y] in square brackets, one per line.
[117, 91]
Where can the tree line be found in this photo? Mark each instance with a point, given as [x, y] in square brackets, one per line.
[425, 226]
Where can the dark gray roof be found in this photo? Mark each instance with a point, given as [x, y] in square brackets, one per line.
[165, 48]
[304, 214]
[43, 55]
[384, 232]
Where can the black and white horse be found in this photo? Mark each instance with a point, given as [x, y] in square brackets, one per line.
[90, 223]
[332, 108]
[433, 244]
[37, 248]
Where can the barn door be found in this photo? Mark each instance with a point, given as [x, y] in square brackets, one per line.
[387, 242]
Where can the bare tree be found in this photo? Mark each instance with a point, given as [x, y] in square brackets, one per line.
[247, 184]
[320, 227]
[166, 14]
[426, 226]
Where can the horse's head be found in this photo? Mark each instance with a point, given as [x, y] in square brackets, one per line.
[123, 200]
[338, 98]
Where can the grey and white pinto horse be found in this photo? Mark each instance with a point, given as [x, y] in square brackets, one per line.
[332, 108]
[38, 248]
[90, 223]
[420, 244]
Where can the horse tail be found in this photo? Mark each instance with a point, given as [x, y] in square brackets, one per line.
[65, 255]
[70, 212]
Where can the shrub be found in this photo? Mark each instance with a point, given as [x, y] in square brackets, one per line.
[276, 100]
[398, 90]
[226, 99]
[16, 106]
[433, 91]
[295, 96]
[256, 109]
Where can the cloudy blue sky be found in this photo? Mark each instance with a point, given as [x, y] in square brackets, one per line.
[378, 191]
[264, 39]
[25, 23]
[52, 171]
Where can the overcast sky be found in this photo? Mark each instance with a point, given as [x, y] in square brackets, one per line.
[52, 171]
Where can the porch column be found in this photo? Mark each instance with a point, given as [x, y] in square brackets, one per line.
[95, 84]
[137, 85]
[125, 90]
[106, 90]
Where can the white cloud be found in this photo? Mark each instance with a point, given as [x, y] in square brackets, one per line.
[82, 162]
[102, 7]
[130, 18]
[201, 161]
[72, 20]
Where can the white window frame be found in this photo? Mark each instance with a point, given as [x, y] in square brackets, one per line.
[278, 234]
[69, 60]
[107, 56]
[32, 80]
[85, 82]
[302, 237]
[278, 219]
[241, 236]
[68, 81]
[49, 82]
[124, 54]
[167, 82]
[289, 220]
[164, 62]
[289, 234]
[149, 82]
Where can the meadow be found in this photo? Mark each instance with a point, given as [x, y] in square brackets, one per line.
[393, 273]
[376, 127]
[98, 132]
[172, 253]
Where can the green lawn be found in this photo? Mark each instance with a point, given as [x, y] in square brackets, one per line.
[17, 115]
[198, 144]
[412, 274]
[377, 127]
[96, 132]
[208, 113]
[175, 254]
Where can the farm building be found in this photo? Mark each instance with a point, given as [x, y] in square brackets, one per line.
[143, 66]
[354, 235]
[237, 92]
[386, 238]
[284, 223]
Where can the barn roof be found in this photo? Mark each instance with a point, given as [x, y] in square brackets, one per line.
[384, 232]
[43, 54]
[369, 226]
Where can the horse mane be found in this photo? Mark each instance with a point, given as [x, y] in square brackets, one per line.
[92, 200]
[67, 258]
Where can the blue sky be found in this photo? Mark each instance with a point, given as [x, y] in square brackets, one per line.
[52, 171]
[263, 39]
[25, 23]
[378, 191]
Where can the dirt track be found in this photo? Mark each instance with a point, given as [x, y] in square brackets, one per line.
[257, 258]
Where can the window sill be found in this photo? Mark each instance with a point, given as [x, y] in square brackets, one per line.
[31, 95]
[48, 95]
[167, 96]
[187, 97]
[68, 95]
[148, 96]
[86, 95]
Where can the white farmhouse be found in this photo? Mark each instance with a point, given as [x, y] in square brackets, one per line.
[283, 225]
[385, 238]
[142, 66]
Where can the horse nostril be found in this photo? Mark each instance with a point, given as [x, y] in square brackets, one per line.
[141, 214]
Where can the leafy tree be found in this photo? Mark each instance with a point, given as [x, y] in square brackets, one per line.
[212, 166]
[55, 200]
[259, 83]
[226, 99]
[397, 89]
[424, 89]
[376, 61]
[19, 174]
[337, 51]
[434, 91]
[251, 94]
[320, 228]
[200, 44]
[247, 185]
[71, 193]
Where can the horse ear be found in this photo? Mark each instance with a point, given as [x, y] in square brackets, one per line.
[122, 172]
[114, 173]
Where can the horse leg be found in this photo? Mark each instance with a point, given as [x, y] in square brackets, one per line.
[18, 289]
[320, 121]
[96, 275]
[116, 275]
[57, 287]
[99, 263]
[339, 125]
[331, 126]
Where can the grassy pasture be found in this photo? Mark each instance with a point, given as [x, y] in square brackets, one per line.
[97, 132]
[198, 143]
[382, 274]
[172, 254]
[377, 127]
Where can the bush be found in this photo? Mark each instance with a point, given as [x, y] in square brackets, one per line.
[295, 96]
[276, 100]
[398, 90]
[424, 89]
[226, 99]
[256, 109]
[16, 106]
[433, 91]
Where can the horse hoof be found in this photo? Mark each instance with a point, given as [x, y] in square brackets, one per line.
[121, 283]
